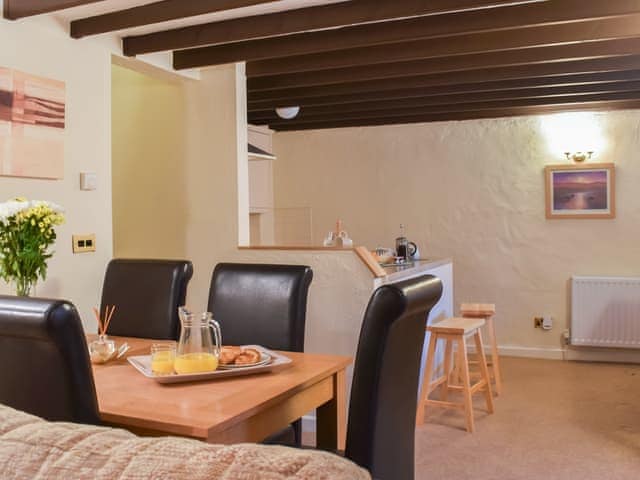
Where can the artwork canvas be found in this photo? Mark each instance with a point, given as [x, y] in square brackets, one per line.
[32, 121]
[580, 191]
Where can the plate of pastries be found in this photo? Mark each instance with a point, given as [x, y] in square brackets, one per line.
[232, 357]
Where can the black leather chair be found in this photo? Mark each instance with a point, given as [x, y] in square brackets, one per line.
[384, 392]
[147, 294]
[265, 305]
[46, 369]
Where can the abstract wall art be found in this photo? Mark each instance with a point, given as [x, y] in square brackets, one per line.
[32, 122]
[580, 191]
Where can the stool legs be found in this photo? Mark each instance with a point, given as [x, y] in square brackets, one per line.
[484, 370]
[495, 358]
[462, 366]
[448, 356]
[463, 360]
[426, 381]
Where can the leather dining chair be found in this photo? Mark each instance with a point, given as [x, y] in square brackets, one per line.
[262, 304]
[386, 376]
[46, 368]
[147, 294]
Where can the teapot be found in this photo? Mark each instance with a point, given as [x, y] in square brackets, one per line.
[199, 345]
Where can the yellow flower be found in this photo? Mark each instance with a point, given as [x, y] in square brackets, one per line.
[33, 222]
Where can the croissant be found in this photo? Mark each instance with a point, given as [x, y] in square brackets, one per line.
[248, 356]
[229, 354]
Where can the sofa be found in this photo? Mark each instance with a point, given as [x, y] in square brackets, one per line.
[32, 448]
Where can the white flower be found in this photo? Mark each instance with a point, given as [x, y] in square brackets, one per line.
[53, 206]
[10, 208]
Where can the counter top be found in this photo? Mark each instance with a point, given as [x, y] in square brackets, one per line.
[396, 273]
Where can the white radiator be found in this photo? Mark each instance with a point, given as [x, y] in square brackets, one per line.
[605, 312]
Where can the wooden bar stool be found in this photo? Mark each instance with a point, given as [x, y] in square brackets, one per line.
[455, 330]
[487, 311]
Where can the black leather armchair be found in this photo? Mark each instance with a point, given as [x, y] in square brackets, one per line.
[46, 369]
[265, 305]
[384, 393]
[147, 294]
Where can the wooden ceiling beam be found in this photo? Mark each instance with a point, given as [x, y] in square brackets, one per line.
[338, 111]
[476, 43]
[150, 13]
[607, 65]
[295, 21]
[419, 28]
[464, 107]
[357, 95]
[15, 9]
[525, 57]
[461, 116]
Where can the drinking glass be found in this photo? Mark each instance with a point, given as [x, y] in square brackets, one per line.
[163, 356]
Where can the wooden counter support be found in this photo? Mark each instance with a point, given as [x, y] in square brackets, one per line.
[372, 264]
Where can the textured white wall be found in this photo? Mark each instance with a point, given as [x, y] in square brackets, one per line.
[473, 191]
[48, 51]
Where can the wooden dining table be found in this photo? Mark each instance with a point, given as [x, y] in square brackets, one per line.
[228, 410]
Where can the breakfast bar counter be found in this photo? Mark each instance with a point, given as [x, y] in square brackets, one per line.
[343, 281]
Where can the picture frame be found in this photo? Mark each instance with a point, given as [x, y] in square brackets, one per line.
[585, 191]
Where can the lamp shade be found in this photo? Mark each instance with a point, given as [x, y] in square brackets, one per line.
[287, 112]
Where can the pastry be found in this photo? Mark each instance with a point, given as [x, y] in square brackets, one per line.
[228, 354]
[248, 356]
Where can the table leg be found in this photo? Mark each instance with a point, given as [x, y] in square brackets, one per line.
[331, 418]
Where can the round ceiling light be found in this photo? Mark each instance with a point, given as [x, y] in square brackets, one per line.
[287, 112]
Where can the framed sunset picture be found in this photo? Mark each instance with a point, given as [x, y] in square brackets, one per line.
[580, 191]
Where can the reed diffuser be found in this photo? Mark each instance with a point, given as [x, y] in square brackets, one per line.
[103, 349]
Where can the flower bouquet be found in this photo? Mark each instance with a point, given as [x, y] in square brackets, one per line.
[26, 233]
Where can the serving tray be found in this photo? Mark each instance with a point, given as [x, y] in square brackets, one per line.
[142, 363]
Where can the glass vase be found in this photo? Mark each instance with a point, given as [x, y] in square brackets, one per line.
[24, 287]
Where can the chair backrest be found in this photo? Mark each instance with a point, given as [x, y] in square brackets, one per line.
[147, 294]
[261, 304]
[384, 392]
[45, 361]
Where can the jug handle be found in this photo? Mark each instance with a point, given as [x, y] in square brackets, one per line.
[217, 335]
[415, 249]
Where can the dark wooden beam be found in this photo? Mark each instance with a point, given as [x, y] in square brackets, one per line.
[590, 80]
[524, 38]
[494, 105]
[540, 72]
[153, 13]
[548, 93]
[420, 28]
[459, 63]
[470, 115]
[294, 21]
[15, 9]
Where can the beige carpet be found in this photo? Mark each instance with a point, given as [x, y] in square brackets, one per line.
[554, 420]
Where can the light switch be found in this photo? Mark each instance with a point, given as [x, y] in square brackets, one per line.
[84, 243]
[88, 181]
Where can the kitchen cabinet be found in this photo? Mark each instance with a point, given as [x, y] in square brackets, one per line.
[261, 204]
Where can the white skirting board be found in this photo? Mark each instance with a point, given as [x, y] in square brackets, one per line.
[580, 354]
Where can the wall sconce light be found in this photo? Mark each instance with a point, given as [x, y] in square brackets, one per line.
[578, 157]
[287, 113]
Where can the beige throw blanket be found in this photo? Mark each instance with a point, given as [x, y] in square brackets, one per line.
[33, 449]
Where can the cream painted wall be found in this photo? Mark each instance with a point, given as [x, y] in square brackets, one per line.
[49, 52]
[149, 186]
[472, 191]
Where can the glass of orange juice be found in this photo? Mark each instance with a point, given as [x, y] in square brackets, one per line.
[163, 356]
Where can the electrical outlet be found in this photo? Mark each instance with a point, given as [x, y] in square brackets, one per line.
[537, 322]
[84, 243]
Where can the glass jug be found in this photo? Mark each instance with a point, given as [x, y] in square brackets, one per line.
[199, 345]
